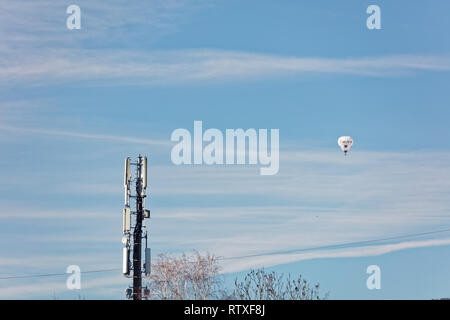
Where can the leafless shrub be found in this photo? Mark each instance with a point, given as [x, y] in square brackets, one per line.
[260, 285]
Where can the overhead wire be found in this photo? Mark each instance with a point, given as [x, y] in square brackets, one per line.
[270, 253]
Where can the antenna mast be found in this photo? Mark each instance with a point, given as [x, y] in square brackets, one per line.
[132, 238]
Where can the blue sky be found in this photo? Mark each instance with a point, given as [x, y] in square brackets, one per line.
[75, 103]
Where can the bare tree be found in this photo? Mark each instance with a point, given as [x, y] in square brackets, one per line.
[193, 277]
[260, 285]
[197, 277]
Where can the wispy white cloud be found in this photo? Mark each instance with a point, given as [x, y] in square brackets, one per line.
[36, 24]
[35, 213]
[37, 49]
[119, 67]
[363, 251]
[110, 286]
[90, 136]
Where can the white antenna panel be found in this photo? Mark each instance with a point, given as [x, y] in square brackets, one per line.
[126, 259]
[144, 172]
[148, 261]
[127, 173]
[126, 220]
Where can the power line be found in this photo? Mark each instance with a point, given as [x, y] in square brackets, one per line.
[334, 246]
[279, 252]
[56, 274]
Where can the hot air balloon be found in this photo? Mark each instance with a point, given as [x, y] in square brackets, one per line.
[345, 143]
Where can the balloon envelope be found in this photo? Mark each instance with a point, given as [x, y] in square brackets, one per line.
[345, 143]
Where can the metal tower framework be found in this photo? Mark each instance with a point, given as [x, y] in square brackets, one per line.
[133, 236]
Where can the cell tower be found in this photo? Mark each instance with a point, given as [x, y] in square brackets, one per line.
[133, 236]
